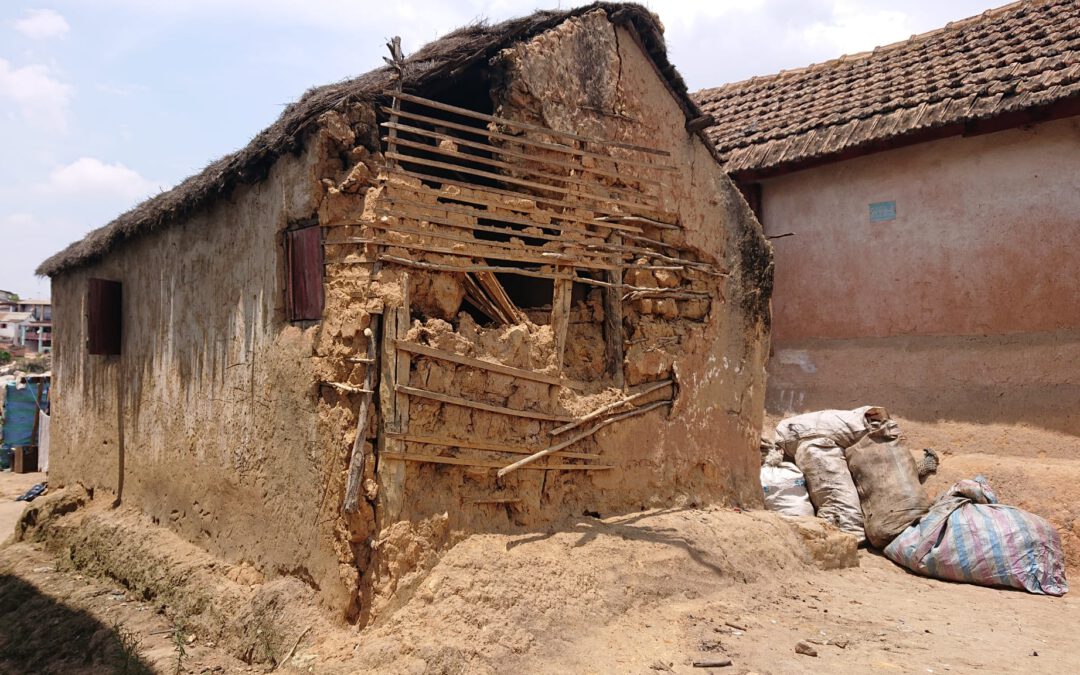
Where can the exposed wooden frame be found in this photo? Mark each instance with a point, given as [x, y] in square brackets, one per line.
[487, 407]
[550, 162]
[538, 250]
[499, 195]
[521, 140]
[355, 476]
[465, 112]
[488, 464]
[490, 283]
[647, 200]
[448, 442]
[613, 217]
[614, 334]
[577, 437]
[424, 350]
[655, 386]
[561, 304]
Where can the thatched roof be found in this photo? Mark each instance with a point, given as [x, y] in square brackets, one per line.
[435, 63]
[1021, 57]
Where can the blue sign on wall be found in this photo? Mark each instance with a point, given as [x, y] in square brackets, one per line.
[882, 211]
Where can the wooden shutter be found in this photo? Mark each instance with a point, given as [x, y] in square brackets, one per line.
[104, 320]
[305, 294]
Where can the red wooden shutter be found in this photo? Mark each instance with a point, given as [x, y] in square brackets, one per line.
[305, 295]
[104, 319]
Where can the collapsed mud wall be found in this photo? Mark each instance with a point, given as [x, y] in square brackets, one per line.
[495, 289]
[543, 259]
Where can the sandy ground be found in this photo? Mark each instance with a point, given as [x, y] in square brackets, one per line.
[646, 593]
[11, 486]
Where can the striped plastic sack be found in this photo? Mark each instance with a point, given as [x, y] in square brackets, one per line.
[967, 536]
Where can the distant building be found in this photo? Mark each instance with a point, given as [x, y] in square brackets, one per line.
[12, 325]
[933, 189]
[25, 323]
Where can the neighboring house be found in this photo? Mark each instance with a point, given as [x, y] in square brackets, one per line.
[12, 326]
[29, 325]
[7, 299]
[531, 228]
[933, 189]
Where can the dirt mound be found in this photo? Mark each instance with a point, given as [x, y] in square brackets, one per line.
[501, 602]
[232, 605]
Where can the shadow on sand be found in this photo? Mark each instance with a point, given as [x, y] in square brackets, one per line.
[41, 635]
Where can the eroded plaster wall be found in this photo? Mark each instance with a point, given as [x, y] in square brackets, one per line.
[216, 390]
[963, 307]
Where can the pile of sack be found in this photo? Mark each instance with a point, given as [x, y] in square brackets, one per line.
[849, 468]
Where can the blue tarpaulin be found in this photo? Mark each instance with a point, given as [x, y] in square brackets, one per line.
[20, 409]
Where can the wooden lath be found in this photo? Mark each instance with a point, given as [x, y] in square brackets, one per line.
[522, 373]
[521, 140]
[589, 201]
[496, 197]
[549, 162]
[465, 112]
[647, 201]
[485, 246]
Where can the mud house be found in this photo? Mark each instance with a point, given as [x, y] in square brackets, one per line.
[933, 188]
[493, 284]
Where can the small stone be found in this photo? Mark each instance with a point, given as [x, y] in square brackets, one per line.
[805, 649]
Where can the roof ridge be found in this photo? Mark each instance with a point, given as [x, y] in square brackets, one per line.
[959, 24]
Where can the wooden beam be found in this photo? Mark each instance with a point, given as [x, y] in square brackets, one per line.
[464, 402]
[614, 332]
[355, 477]
[498, 294]
[465, 112]
[488, 464]
[447, 442]
[561, 301]
[391, 472]
[424, 350]
[655, 386]
[574, 439]
[475, 294]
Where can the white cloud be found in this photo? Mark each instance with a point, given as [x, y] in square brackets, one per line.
[42, 23]
[90, 177]
[854, 28]
[42, 99]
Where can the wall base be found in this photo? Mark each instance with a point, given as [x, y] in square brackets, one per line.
[1027, 378]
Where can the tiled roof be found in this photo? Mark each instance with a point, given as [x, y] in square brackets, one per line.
[1018, 57]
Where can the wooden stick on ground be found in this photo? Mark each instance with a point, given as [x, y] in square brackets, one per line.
[356, 463]
[609, 407]
[577, 437]
[293, 650]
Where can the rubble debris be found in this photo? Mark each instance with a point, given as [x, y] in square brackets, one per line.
[805, 649]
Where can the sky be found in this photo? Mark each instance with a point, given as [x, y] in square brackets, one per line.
[104, 103]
